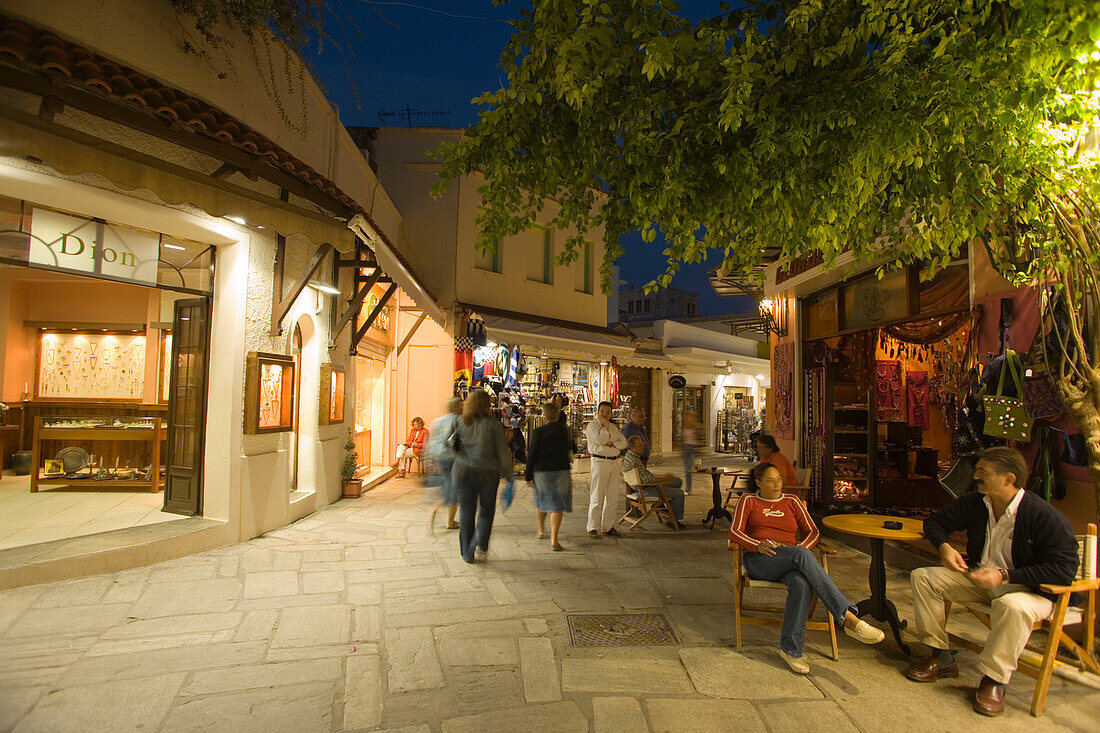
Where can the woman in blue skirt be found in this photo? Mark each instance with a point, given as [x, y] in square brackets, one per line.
[548, 460]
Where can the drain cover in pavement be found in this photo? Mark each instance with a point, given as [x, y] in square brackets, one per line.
[620, 629]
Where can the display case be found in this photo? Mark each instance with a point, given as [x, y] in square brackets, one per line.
[99, 452]
[332, 395]
[269, 393]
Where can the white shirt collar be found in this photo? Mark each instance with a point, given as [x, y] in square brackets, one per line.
[1010, 510]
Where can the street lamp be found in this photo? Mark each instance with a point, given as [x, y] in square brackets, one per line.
[774, 317]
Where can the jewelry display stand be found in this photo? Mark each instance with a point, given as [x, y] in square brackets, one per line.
[100, 437]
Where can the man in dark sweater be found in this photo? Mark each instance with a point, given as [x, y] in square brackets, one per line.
[1015, 543]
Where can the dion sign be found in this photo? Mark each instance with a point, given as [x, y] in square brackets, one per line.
[83, 245]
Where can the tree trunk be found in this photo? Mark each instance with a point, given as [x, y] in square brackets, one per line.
[1084, 406]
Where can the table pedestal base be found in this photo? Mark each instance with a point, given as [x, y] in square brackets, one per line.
[878, 606]
[717, 512]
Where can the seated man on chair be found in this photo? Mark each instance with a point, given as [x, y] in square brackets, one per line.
[1015, 543]
[632, 461]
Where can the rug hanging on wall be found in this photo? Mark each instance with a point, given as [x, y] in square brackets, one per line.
[783, 370]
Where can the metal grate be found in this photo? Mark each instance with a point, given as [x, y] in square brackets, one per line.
[620, 629]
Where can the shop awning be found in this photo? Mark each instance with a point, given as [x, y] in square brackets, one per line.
[695, 356]
[648, 359]
[514, 328]
[395, 268]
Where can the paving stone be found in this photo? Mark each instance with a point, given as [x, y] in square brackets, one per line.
[286, 561]
[38, 660]
[74, 593]
[696, 591]
[123, 593]
[91, 670]
[107, 706]
[618, 715]
[14, 602]
[229, 567]
[313, 599]
[257, 625]
[540, 670]
[413, 663]
[712, 625]
[297, 653]
[728, 674]
[454, 601]
[334, 554]
[304, 707]
[125, 646]
[185, 572]
[361, 553]
[410, 708]
[184, 624]
[271, 584]
[792, 715]
[364, 594]
[363, 692]
[664, 676]
[633, 594]
[464, 652]
[479, 690]
[719, 716]
[554, 717]
[323, 582]
[536, 625]
[312, 626]
[214, 681]
[463, 615]
[422, 728]
[460, 585]
[186, 597]
[475, 629]
[67, 621]
[368, 624]
[499, 591]
[16, 702]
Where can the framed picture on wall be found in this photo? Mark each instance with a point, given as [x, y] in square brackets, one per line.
[269, 393]
[101, 366]
[332, 394]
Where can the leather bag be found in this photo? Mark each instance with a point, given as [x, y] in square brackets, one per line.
[1006, 417]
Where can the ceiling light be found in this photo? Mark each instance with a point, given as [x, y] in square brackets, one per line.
[325, 288]
[761, 377]
[237, 220]
[174, 246]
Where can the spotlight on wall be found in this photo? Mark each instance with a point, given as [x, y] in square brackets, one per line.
[237, 220]
[774, 316]
[325, 288]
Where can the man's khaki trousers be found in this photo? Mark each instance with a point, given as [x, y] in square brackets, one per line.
[1015, 610]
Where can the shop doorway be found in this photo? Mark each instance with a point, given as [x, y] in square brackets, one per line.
[689, 400]
[187, 406]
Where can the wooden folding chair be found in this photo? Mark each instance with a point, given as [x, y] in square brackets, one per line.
[1063, 615]
[741, 581]
[658, 506]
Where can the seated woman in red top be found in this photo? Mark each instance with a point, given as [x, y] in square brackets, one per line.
[413, 446]
[767, 526]
[768, 450]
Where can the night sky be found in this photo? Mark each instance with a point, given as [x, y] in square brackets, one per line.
[435, 56]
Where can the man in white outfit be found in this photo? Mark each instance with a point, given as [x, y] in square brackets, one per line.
[605, 444]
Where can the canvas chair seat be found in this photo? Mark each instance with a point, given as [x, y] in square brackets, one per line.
[658, 506]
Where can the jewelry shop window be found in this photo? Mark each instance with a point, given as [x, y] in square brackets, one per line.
[332, 394]
[269, 394]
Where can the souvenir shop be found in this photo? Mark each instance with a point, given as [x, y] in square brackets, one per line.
[526, 363]
[884, 363]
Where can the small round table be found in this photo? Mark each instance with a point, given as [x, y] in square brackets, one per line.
[717, 511]
[870, 526]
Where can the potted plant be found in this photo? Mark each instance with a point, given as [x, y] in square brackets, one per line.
[353, 487]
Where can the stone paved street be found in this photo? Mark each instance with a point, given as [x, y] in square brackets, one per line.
[357, 618]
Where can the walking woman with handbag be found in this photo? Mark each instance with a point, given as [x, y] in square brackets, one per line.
[481, 460]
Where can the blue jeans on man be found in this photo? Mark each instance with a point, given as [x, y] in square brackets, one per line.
[799, 570]
[475, 488]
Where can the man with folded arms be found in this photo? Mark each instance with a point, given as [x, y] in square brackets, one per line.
[605, 444]
[1015, 543]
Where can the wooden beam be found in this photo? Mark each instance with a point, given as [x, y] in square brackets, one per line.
[353, 308]
[225, 170]
[373, 314]
[278, 312]
[408, 337]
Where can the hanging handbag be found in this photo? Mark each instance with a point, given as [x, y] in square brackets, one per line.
[1041, 480]
[1041, 397]
[1006, 417]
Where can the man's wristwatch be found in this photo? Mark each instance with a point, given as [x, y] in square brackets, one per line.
[1004, 576]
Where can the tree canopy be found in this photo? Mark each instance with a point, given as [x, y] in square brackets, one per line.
[896, 128]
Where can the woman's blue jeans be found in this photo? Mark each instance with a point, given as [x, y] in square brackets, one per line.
[799, 570]
[475, 488]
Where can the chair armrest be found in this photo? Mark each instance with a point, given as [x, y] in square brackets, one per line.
[1077, 586]
[824, 549]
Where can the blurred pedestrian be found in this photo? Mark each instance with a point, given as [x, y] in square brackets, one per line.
[548, 463]
[689, 439]
[441, 458]
[481, 459]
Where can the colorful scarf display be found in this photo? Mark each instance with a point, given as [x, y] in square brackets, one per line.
[888, 390]
[917, 388]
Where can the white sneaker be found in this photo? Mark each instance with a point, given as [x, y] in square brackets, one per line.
[865, 633]
[797, 664]
[480, 554]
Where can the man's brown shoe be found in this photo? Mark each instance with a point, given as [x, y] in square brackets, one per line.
[989, 698]
[931, 670]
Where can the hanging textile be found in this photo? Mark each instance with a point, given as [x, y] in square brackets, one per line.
[783, 368]
[888, 390]
[613, 382]
[464, 365]
[513, 369]
[475, 330]
[916, 384]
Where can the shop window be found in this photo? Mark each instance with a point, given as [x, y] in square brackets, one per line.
[870, 302]
[269, 393]
[332, 395]
[86, 365]
[165, 369]
[489, 261]
[820, 314]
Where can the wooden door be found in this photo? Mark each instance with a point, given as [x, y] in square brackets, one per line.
[187, 407]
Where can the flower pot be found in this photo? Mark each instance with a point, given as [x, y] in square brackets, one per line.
[21, 462]
[353, 488]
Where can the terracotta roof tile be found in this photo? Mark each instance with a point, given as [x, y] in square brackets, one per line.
[45, 51]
